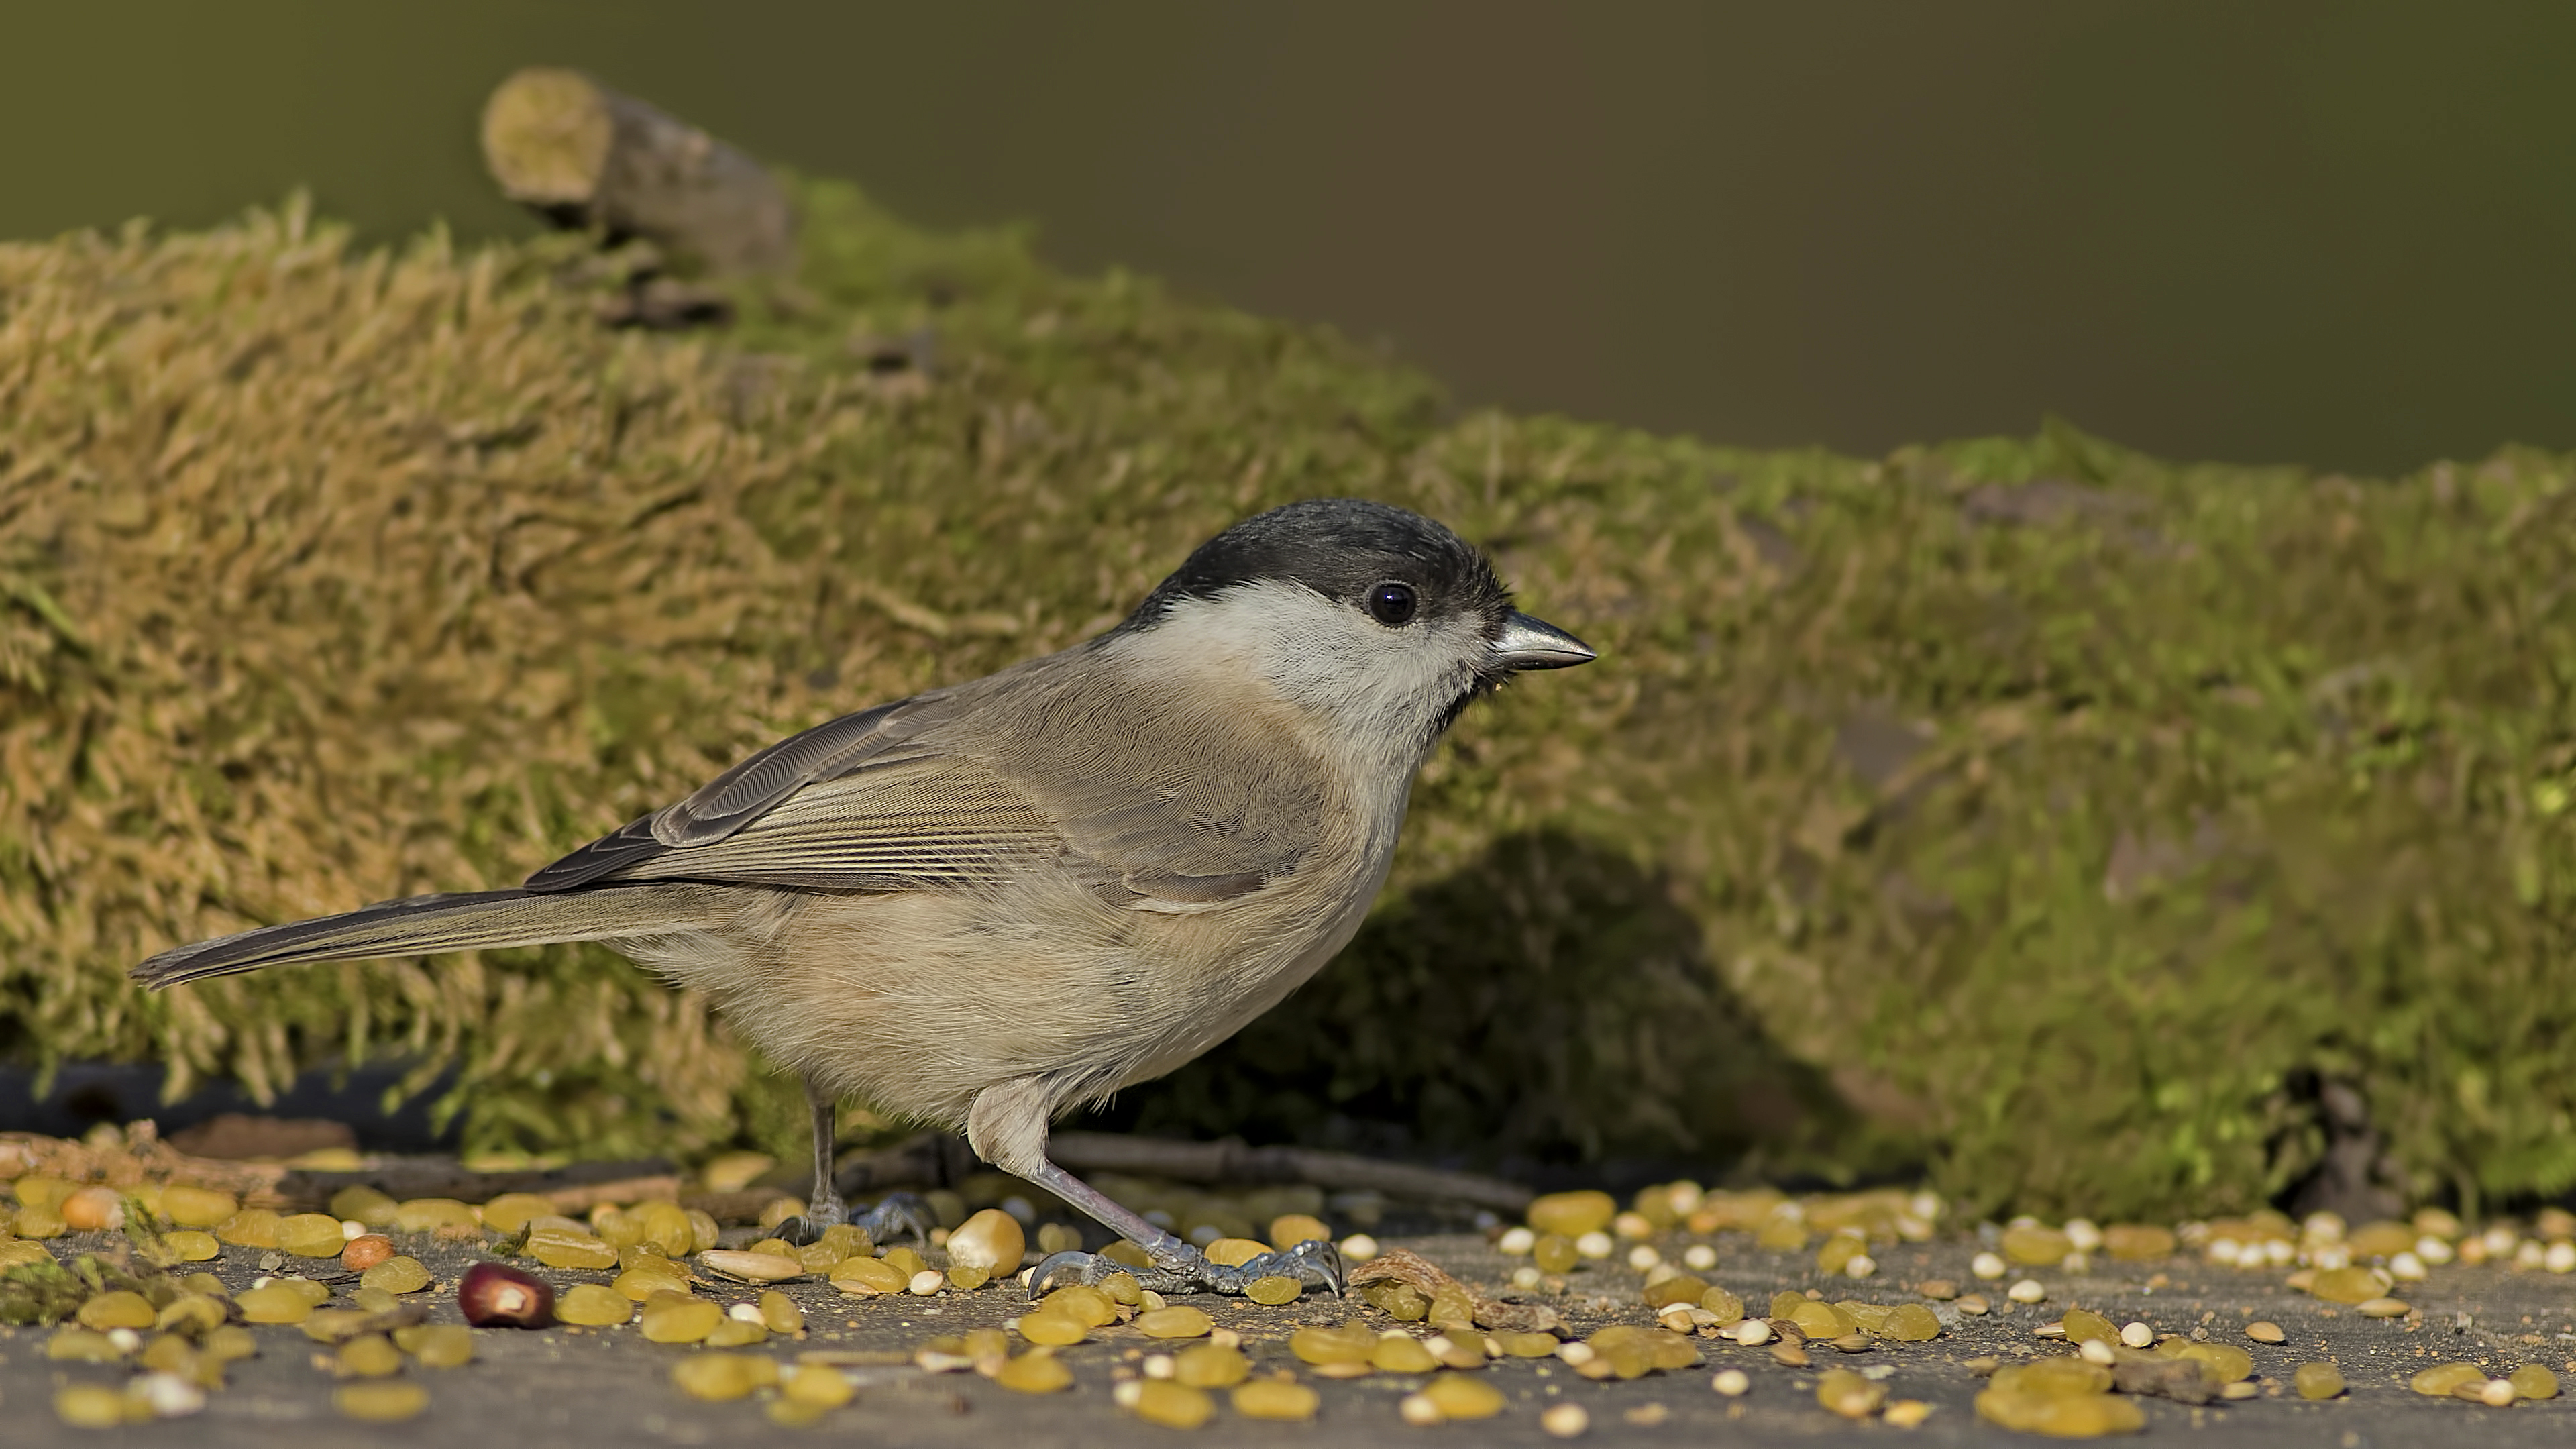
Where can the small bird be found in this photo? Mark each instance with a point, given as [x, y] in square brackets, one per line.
[986, 904]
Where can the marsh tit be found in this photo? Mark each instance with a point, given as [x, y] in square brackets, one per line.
[988, 903]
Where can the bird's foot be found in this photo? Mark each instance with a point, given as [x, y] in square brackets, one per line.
[1315, 1266]
[896, 1215]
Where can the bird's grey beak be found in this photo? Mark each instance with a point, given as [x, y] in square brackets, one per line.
[1528, 643]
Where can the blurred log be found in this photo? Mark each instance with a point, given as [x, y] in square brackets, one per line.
[581, 155]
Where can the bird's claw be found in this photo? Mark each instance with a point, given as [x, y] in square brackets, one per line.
[1315, 1266]
[897, 1214]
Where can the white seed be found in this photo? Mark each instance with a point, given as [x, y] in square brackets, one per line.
[1676, 1316]
[1527, 1276]
[1659, 1272]
[167, 1395]
[1576, 1352]
[2280, 1251]
[1924, 1205]
[1643, 1257]
[2082, 1234]
[2137, 1335]
[2225, 1251]
[2325, 1227]
[1565, 1421]
[2529, 1254]
[1126, 1392]
[1632, 1225]
[1685, 1196]
[1699, 1257]
[125, 1339]
[1359, 1248]
[1160, 1366]
[2561, 1258]
[1419, 1409]
[1988, 1265]
[1517, 1242]
[2095, 1350]
[744, 1313]
[2330, 1257]
[1753, 1331]
[1595, 1244]
[351, 1230]
[927, 1281]
[2408, 1268]
[2027, 1291]
[2433, 1250]
[2498, 1393]
[1731, 1382]
[1859, 1265]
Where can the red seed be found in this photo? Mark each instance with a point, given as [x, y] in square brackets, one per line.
[367, 1251]
[496, 1295]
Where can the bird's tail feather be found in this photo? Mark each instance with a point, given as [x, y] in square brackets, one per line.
[421, 925]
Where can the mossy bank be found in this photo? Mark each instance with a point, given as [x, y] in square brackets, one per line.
[2055, 818]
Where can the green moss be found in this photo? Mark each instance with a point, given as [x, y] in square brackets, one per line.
[2045, 814]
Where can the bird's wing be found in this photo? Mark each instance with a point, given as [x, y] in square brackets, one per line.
[937, 793]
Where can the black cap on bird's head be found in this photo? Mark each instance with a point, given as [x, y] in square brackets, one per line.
[1391, 563]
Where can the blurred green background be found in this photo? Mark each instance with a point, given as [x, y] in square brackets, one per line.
[2337, 233]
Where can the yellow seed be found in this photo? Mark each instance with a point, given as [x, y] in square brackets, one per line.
[1527, 1345]
[666, 1226]
[397, 1275]
[568, 1248]
[1838, 1252]
[651, 1276]
[2132, 1242]
[437, 1345]
[780, 1313]
[1555, 1253]
[1174, 1322]
[1351, 1343]
[310, 1291]
[2036, 1247]
[2317, 1380]
[1052, 1328]
[370, 1355]
[1572, 1214]
[817, 1386]
[1035, 1372]
[1275, 1399]
[2346, 1285]
[1913, 1323]
[82, 1345]
[1127, 1253]
[1173, 1405]
[717, 1377]
[1123, 1289]
[1273, 1289]
[1840, 1391]
[2081, 1416]
[197, 1207]
[2264, 1330]
[117, 1310]
[2383, 1308]
[680, 1320]
[358, 1203]
[1907, 1413]
[2438, 1381]
[311, 1235]
[1081, 1303]
[380, 1401]
[1402, 1354]
[249, 1228]
[2052, 1376]
[737, 1333]
[593, 1306]
[905, 1260]
[2226, 1363]
[275, 1303]
[1565, 1421]
[189, 1246]
[191, 1313]
[2534, 1381]
[1211, 1366]
[1679, 1288]
[1820, 1320]
[864, 1276]
[991, 1240]
[1459, 1396]
[1727, 1307]
[1290, 1229]
[89, 1406]
[430, 1214]
[2083, 1326]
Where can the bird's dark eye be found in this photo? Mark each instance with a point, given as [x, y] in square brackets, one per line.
[1391, 604]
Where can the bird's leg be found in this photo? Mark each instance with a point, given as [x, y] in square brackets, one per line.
[897, 1214]
[1177, 1266]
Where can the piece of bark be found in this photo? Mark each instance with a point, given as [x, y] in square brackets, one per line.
[1403, 1265]
[581, 155]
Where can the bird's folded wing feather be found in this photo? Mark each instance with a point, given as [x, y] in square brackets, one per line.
[914, 796]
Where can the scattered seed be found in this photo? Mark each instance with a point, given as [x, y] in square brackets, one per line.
[197, 1207]
[1989, 1266]
[370, 1355]
[2317, 1381]
[673, 1319]
[380, 1401]
[1036, 1372]
[1753, 1332]
[2028, 1290]
[1733, 1383]
[1572, 1214]
[1177, 1322]
[496, 1295]
[2264, 1330]
[1458, 1396]
[2136, 1335]
[1276, 1399]
[275, 1303]
[1565, 1421]
[1974, 1304]
[89, 1406]
[1176, 1406]
[1840, 1391]
[717, 1377]
[594, 1306]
